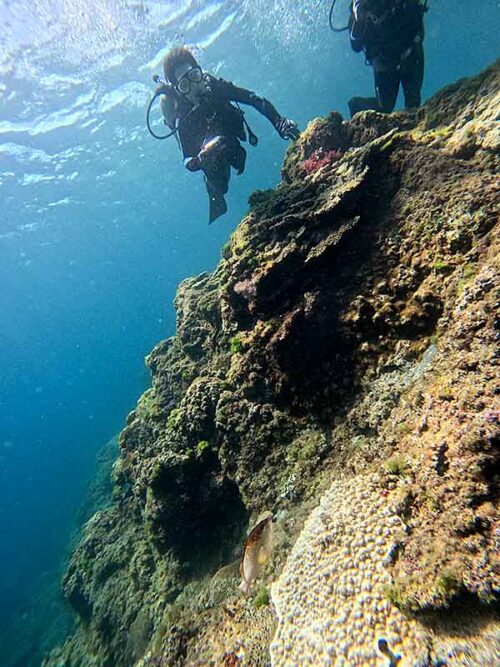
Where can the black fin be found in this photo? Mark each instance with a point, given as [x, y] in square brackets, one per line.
[357, 104]
[218, 207]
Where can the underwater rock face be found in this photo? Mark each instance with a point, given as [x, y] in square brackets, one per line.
[345, 348]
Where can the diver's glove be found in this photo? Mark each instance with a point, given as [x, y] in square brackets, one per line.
[287, 129]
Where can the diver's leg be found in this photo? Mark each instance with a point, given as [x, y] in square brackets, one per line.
[386, 86]
[215, 163]
[412, 76]
[218, 175]
[237, 155]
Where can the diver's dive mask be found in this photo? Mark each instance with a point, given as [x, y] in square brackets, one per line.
[193, 75]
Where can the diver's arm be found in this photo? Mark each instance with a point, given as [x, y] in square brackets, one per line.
[233, 93]
[287, 129]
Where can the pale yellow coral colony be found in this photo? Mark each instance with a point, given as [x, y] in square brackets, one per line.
[331, 599]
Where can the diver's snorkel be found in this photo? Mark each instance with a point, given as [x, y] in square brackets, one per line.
[163, 88]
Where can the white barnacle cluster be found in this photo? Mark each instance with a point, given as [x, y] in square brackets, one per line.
[331, 597]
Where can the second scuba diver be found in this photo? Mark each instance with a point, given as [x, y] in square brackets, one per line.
[198, 108]
[391, 34]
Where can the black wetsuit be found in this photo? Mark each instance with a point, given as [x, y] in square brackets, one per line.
[391, 33]
[215, 116]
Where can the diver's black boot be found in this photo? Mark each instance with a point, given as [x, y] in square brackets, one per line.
[357, 104]
[217, 170]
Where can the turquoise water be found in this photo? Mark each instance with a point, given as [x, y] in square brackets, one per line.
[99, 222]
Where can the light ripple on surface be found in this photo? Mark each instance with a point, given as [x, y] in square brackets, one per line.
[156, 60]
[24, 154]
[57, 120]
[45, 124]
[60, 202]
[34, 179]
[213, 37]
[59, 82]
[204, 15]
[170, 13]
[97, 127]
[133, 93]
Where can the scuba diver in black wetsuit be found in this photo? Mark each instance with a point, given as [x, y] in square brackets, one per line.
[391, 33]
[198, 108]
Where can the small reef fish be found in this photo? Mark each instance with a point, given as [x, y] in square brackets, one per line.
[256, 552]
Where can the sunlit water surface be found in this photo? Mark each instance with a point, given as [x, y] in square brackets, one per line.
[99, 223]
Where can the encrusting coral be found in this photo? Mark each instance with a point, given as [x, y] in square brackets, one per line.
[333, 599]
[345, 348]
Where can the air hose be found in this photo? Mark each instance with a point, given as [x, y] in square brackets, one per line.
[330, 19]
[162, 89]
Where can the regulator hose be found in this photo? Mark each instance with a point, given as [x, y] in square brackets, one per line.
[161, 90]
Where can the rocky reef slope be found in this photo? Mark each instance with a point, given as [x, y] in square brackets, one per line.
[339, 367]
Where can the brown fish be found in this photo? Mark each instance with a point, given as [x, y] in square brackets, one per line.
[256, 552]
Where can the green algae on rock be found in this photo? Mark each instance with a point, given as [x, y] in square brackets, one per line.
[345, 348]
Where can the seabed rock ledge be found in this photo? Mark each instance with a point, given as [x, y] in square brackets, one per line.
[339, 368]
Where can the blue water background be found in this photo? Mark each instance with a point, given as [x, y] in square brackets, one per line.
[99, 222]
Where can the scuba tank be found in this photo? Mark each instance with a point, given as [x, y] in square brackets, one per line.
[423, 3]
[163, 88]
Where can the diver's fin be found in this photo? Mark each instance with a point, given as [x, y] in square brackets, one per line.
[357, 104]
[217, 207]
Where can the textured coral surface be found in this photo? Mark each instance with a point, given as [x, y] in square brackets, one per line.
[345, 348]
[332, 600]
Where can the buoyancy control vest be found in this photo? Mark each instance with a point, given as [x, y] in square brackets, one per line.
[391, 27]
